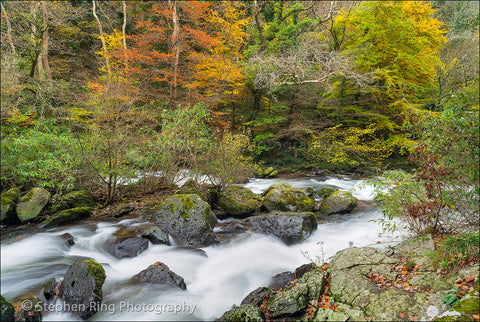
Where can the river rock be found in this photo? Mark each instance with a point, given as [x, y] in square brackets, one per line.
[282, 279]
[188, 219]
[31, 205]
[349, 284]
[123, 211]
[159, 273]
[82, 286]
[325, 192]
[155, 234]
[283, 197]
[49, 289]
[8, 201]
[74, 199]
[67, 216]
[339, 202]
[257, 296]
[68, 239]
[290, 227]
[245, 312]
[7, 311]
[129, 247]
[237, 200]
[295, 298]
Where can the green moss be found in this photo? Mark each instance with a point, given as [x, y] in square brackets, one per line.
[187, 202]
[185, 214]
[98, 273]
[28, 196]
[68, 216]
[10, 196]
[172, 207]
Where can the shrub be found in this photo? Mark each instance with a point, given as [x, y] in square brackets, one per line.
[35, 157]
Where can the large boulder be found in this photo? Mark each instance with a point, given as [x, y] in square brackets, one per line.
[339, 202]
[82, 287]
[7, 311]
[188, 219]
[283, 197]
[238, 200]
[67, 216]
[32, 204]
[290, 227]
[8, 201]
[74, 199]
[349, 283]
[159, 273]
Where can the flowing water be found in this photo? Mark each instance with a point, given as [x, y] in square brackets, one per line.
[214, 282]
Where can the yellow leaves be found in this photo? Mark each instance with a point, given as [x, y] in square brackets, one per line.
[23, 119]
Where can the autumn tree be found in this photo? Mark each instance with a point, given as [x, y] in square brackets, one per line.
[165, 37]
[219, 71]
[399, 41]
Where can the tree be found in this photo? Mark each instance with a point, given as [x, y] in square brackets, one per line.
[218, 72]
[165, 38]
[399, 41]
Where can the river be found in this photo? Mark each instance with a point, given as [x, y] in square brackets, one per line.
[214, 282]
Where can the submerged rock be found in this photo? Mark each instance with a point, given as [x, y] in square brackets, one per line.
[159, 273]
[339, 202]
[82, 286]
[31, 205]
[283, 197]
[238, 200]
[8, 201]
[188, 219]
[290, 227]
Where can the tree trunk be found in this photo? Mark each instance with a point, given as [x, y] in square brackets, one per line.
[104, 46]
[175, 47]
[45, 64]
[35, 40]
[9, 29]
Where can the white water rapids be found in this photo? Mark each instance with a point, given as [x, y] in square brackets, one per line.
[214, 283]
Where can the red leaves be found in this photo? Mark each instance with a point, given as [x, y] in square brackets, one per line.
[159, 264]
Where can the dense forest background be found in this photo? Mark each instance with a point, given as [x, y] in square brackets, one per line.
[95, 92]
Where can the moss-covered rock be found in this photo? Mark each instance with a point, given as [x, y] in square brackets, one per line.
[349, 284]
[74, 199]
[325, 192]
[283, 197]
[31, 205]
[465, 309]
[7, 311]
[188, 219]
[293, 299]
[245, 312]
[237, 200]
[339, 202]
[290, 227]
[82, 286]
[8, 201]
[67, 216]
